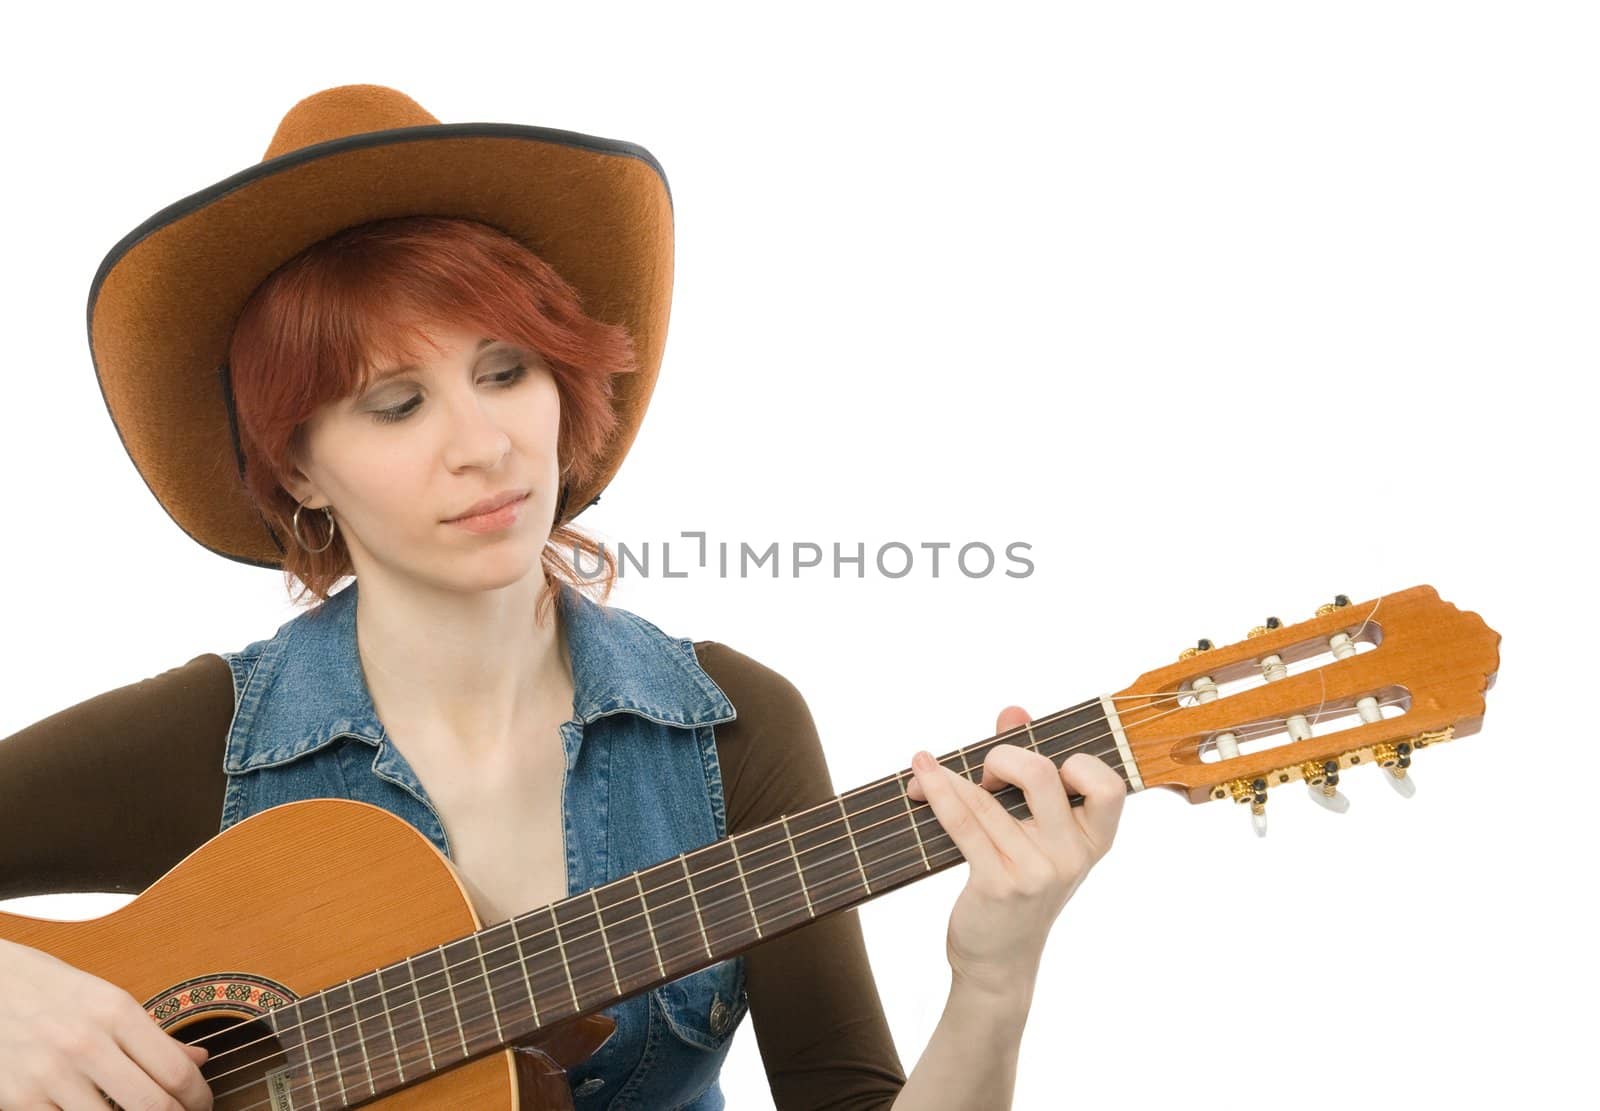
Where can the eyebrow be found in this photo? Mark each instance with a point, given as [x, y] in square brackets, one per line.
[384, 375]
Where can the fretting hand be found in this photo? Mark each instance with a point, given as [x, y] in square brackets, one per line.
[1021, 872]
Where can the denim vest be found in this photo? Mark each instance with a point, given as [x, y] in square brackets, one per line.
[641, 785]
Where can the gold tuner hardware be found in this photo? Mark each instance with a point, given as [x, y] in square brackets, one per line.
[1322, 780]
[1395, 759]
[1339, 602]
[1253, 792]
[1430, 736]
[1272, 623]
[1203, 645]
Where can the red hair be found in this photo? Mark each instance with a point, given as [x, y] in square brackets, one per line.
[318, 327]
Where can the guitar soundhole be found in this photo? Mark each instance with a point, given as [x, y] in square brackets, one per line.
[226, 1012]
[243, 1053]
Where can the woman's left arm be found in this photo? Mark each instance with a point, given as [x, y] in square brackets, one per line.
[1021, 874]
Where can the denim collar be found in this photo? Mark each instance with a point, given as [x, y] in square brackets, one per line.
[305, 686]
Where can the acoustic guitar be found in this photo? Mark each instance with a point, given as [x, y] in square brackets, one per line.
[321, 979]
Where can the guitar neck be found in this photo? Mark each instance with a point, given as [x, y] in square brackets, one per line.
[489, 989]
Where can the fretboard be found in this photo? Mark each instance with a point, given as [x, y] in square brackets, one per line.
[405, 1022]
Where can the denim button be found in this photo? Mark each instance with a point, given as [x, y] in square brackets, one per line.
[719, 1015]
[593, 1084]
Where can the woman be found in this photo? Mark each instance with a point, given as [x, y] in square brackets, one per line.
[410, 395]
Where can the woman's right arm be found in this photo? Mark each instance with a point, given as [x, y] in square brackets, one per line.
[106, 795]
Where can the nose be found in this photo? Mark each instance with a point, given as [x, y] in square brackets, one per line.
[474, 435]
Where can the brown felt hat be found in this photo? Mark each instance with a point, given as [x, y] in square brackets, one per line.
[164, 301]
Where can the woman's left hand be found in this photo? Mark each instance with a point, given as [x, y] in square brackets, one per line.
[1021, 872]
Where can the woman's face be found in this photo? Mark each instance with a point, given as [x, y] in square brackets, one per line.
[419, 447]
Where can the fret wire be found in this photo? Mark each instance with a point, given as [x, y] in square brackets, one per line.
[902, 874]
[509, 990]
[766, 851]
[745, 884]
[399, 1062]
[494, 1011]
[910, 814]
[718, 872]
[798, 870]
[562, 947]
[312, 1056]
[679, 940]
[381, 1041]
[980, 753]
[694, 894]
[522, 959]
[552, 976]
[1011, 789]
[604, 943]
[695, 902]
[903, 777]
[338, 1052]
[583, 948]
[455, 1009]
[694, 897]
[648, 925]
[422, 1015]
[633, 944]
[1019, 802]
[856, 852]
[361, 1040]
[817, 848]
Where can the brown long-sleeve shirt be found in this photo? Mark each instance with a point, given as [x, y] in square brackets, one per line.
[102, 797]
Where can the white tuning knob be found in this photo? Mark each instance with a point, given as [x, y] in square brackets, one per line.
[1335, 802]
[1401, 781]
[1322, 781]
[1258, 818]
[1395, 759]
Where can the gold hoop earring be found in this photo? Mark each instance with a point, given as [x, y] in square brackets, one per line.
[294, 527]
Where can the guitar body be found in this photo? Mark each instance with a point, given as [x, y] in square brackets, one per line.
[287, 902]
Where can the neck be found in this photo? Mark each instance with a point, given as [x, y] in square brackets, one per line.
[484, 991]
[466, 666]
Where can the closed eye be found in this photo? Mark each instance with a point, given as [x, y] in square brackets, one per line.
[506, 378]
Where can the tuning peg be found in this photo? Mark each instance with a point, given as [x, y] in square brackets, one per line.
[1254, 793]
[1339, 602]
[1323, 784]
[1258, 807]
[1272, 623]
[1395, 759]
[1203, 645]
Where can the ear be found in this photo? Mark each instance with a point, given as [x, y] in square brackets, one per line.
[301, 487]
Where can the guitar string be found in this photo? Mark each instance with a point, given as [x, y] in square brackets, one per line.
[600, 970]
[1153, 699]
[330, 1013]
[942, 855]
[900, 779]
[605, 970]
[949, 854]
[306, 1084]
[1268, 727]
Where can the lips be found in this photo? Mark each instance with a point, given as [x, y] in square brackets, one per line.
[489, 505]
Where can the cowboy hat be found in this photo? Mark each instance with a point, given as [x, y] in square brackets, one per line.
[164, 301]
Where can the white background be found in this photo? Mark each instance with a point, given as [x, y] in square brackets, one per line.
[1221, 308]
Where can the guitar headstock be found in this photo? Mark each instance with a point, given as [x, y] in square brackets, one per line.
[1360, 683]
